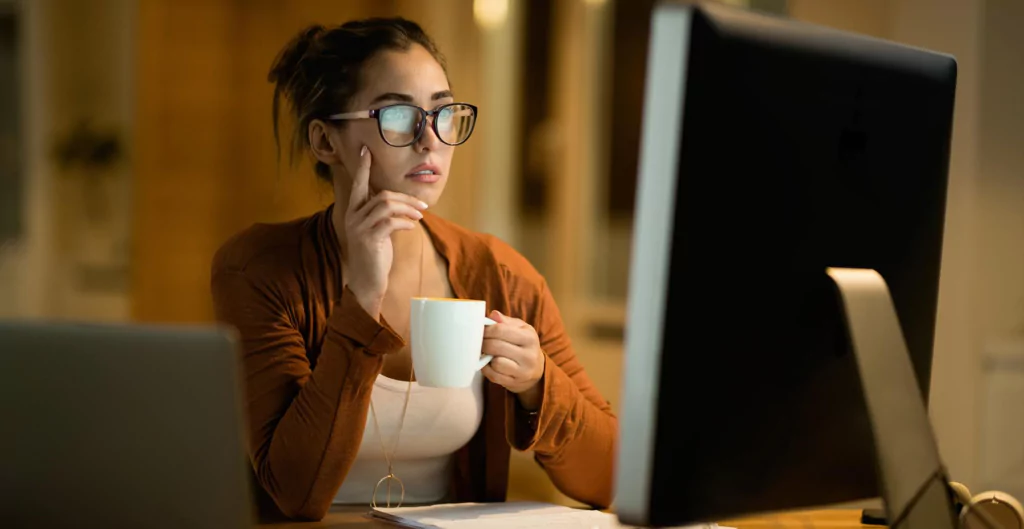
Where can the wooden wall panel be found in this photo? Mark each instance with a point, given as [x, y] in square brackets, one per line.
[181, 155]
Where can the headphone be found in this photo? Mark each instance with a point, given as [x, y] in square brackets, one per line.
[988, 510]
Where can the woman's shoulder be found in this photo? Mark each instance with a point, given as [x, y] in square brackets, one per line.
[266, 247]
[477, 253]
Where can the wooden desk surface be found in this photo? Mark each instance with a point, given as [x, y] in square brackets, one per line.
[348, 517]
[823, 519]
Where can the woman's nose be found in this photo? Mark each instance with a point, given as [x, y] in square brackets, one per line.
[428, 140]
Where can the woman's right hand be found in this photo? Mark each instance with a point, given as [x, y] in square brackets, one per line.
[369, 223]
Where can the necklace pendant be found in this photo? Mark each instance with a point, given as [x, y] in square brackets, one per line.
[388, 479]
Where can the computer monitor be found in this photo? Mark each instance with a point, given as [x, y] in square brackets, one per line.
[110, 425]
[771, 152]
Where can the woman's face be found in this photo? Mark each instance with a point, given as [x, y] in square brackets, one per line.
[413, 77]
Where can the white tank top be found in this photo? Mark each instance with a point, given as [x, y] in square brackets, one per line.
[438, 423]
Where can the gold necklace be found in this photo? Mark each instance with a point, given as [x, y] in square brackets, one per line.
[391, 477]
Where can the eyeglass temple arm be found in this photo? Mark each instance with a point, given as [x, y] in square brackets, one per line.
[352, 115]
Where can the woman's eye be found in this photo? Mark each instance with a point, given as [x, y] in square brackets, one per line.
[397, 119]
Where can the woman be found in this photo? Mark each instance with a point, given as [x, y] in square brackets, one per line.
[322, 303]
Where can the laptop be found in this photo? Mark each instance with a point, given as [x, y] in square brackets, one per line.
[121, 426]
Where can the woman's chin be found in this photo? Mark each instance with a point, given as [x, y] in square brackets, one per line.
[429, 193]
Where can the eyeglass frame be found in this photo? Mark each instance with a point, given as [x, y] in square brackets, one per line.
[374, 113]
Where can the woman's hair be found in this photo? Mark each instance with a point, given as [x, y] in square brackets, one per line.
[318, 72]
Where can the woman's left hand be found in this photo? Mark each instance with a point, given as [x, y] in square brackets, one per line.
[518, 363]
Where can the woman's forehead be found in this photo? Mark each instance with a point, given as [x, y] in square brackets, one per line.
[413, 72]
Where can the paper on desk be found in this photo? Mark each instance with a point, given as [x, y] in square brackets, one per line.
[512, 515]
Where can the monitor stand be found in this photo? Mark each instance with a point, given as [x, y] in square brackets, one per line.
[913, 481]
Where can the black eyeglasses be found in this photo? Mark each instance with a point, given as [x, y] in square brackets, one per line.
[401, 125]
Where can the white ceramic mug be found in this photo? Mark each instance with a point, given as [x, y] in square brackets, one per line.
[447, 336]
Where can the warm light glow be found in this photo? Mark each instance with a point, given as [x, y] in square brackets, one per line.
[596, 2]
[490, 14]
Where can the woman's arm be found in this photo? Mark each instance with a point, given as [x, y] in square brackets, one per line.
[573, 435]
[305, 425]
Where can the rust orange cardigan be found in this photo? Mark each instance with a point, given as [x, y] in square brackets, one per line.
[312, 354]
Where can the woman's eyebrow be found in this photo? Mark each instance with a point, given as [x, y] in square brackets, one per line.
[406, 98]
[392, 96]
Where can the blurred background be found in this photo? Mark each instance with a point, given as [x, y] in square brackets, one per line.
[135, 137]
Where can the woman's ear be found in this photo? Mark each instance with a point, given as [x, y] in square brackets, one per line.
[321, 144]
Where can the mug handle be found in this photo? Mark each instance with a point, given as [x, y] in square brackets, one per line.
[486, 359]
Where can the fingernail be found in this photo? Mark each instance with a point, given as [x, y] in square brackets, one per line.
[362, 152]
[423, 205]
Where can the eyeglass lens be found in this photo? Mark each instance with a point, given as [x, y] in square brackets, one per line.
[400, 124]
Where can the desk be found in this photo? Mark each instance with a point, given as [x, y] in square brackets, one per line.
[831, 519]
[352, 517]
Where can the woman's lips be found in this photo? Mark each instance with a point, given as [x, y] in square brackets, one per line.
[424, 173]
[427, 178]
